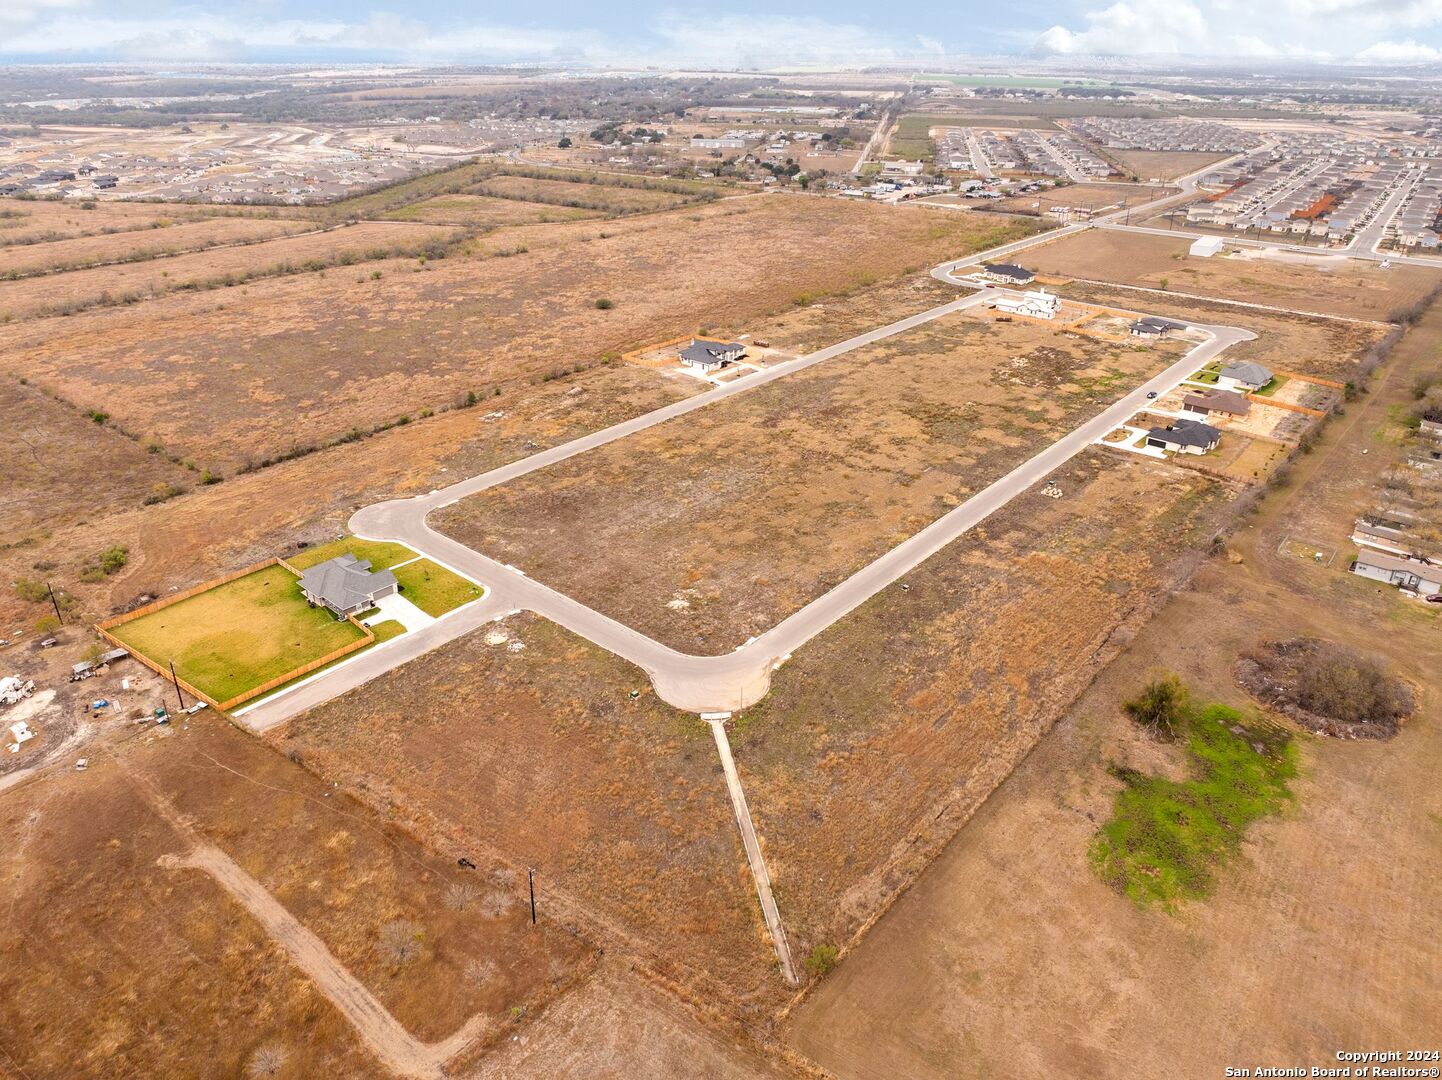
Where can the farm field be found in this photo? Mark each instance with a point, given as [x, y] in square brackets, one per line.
[883, 735]
[485, 212]
[137, 245]
[1329, 286]
[637, 845]
[83, 887]
[288, 362]
[1291, 929]
[1164, 164]
[702, 531]
[1328, 348]
[149, 278]
[238, 635]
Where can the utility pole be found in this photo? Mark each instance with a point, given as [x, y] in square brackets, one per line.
[531, 877]
[55, 603]
[176, 679]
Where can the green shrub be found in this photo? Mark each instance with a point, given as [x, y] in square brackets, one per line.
[605, 305]
[32, 590]
[1161, 708]
[114, 558]
[821, 960]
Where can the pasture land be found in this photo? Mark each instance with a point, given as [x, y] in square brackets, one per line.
[1318, 919]
[485, 212]
[1328, 285]
[91, 975]
[146, 279]
[254, 372]
[711, 528]
[139, 245]
[236, 636]
[637, 845]
[30, 221]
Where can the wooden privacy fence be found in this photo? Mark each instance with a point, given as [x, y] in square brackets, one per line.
[103, 629]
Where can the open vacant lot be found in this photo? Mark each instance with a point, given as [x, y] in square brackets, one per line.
[29, 221]
[1010, 956]
[116, 964]
[144, 279]
[546, 760]
[256, 371]
[711, 528]
[605, 197]
[228, 639]
[1327, 285]
[1164, 164]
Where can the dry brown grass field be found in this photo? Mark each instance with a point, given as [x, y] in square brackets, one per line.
[132, 282]
[484, 212]
[544, 759]
[26, 221]
[249, 372]
[601, 196]
[60, 467]
[1010, 957]
[118, 965]
[712, 528]
[883, 735]
[1321, 284]
[139, 244]
[178, 542]
[1164, 164]
[1327, 348]
[1088, 196]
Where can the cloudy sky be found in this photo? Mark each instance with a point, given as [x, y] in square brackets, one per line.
[727, 33]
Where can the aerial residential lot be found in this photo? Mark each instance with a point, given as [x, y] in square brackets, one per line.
[708, 529]
[236, 636]
[1325, 284]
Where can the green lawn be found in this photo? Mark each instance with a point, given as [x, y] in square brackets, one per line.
[382, 553]
[1278, 381]
[228, 639]
[384, 631]
[434, 589]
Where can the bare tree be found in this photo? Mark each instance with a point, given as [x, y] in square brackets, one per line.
[480, 972]
[400, 941]
[461, 895]
[267, 1061]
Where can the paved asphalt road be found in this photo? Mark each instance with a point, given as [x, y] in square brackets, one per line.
[700, 683]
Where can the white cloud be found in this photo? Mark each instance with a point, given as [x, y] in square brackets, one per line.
[1399, 52]
[722, 40]
[1284, 29]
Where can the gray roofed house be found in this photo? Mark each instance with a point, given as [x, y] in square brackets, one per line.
[710, 355]
[1420, 577]
[346, 585]
[1245, 375]
[1154, 326]
[1007, 273]
[1186, 437]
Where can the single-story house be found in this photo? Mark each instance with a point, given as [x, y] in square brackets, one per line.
[346, 585]
[1222, 402]
[1185, 437]
[1154, 326]
[1420, 577]
[1383, 538]
[1006, 273]
[709, 356]
[1243, 376]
